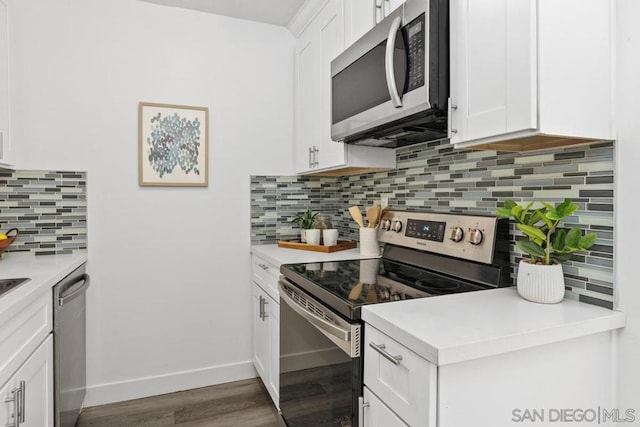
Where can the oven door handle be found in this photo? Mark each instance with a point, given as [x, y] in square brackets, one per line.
[320, 323]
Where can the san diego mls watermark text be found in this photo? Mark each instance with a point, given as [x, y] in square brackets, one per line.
[597, 415]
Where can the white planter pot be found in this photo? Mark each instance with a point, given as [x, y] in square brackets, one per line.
[303, 236]
[540, 283]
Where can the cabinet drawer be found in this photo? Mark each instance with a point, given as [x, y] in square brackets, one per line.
[376, 413]
[266, 275]
[21, 334]
[404, 381]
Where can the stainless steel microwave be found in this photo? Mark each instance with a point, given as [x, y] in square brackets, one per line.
[390, 88]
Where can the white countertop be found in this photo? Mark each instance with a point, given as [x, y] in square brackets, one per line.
[44, 271]
[277, 256]
[455, 328]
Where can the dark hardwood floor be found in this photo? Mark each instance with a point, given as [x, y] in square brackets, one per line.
[242, 403]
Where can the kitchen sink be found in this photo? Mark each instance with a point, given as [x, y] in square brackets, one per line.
[7, 284]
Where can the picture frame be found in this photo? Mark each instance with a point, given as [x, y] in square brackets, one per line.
[173, 145]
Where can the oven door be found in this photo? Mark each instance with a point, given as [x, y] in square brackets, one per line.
[320, 363]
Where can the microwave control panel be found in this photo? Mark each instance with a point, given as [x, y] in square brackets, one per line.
[415, 36]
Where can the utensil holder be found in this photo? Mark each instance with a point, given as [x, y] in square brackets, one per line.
[369, 242]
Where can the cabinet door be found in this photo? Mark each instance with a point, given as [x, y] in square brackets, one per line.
[260, 335]
[273, 313]
[317, 46]
[5, 142]
[391, 5]
[376, 413]
[266, 340]
[330, 22]
[307, 93]
[359, 17]
[493, 68]
[35, 402]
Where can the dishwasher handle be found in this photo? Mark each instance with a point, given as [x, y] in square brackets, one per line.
[74, 291]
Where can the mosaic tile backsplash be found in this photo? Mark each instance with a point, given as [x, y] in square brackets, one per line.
[48, 208]
[436, 177]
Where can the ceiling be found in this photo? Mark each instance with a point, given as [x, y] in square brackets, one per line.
[277, 12]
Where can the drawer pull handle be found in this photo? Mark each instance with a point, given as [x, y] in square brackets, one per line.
[361, 406]
[18, 405]
[380, 348]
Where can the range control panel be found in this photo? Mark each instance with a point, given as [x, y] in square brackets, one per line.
[470, 237]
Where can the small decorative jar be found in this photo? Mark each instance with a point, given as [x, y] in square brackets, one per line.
[322, 222]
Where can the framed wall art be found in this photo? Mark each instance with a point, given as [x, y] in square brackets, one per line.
[173, 145]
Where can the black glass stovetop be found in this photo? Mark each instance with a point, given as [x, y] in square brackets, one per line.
[346, 286]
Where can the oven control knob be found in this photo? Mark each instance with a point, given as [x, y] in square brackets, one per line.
[385, 225]
[396, 226]
[475, 237]
[456, 234]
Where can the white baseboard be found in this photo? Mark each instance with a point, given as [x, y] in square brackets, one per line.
[168, 383]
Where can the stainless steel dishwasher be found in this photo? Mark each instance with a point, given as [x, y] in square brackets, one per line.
[69, 346]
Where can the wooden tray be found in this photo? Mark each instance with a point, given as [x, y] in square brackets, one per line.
[297, 244]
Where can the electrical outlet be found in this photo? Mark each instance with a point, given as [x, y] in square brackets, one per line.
[384, 201]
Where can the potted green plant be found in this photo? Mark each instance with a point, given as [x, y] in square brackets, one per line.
[305, 222]
[540, 278]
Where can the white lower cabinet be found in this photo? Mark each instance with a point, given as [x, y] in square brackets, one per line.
[500, 390]
[26, 399]
[266, 326]
[260, 334]
[26, 364]
[377, 414]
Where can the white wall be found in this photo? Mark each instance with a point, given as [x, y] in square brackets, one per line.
[627, 280]
[169, 305]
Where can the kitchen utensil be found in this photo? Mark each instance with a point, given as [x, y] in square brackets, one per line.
[380, 212]
[355, 292]
[372, 295]
[356, 215]
[372, 216]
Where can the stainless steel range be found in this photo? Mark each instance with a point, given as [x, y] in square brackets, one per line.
[425, 255]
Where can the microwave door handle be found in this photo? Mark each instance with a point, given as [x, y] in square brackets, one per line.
[388, 62]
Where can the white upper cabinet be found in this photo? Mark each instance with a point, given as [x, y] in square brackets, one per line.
[529, 74]
[330, 33]
[360, 16]
[384, 7]
[321, 39]
[5, 119]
